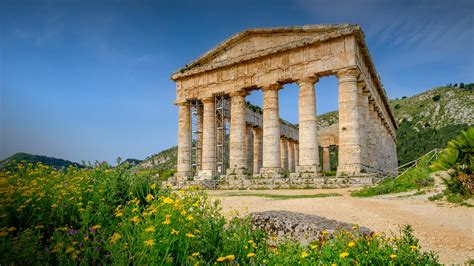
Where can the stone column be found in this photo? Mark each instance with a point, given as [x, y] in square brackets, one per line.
[284, 153]
[248, 147]
[297, 154]
[291, 156]
[209, 139]
[363, 106]
[199, 126]
[257, 149]
[237, 143]
[326, 159]
[371, 137]
[350, 160]
[271, 131]
[308, 135]
[184, 141]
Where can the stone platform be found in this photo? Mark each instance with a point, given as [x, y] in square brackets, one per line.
[300, 227]
[275, 183]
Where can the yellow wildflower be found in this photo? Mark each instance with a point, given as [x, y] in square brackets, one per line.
[343, 255]
[54, 206]
[334, 264]
[304, 254]
[95, 227]
[167, 219]
[153, 186]
[250, 241]
[196, 254]
[190, 235]
[115, 237]
[149, 197]
[351, 244]
[230, 257]
[413, 247]
[135, 219]
[183, 212]
[220, 259]
[355, 226]
[150, 242]
[168, 200]
[69, 249]
[190, 218]
[174, 232]
[118, 214]
[393, 256]
[150, 229]
[250, 255]
[313, 246]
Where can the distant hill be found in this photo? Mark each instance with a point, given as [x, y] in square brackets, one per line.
[30, 158]
[426, 121]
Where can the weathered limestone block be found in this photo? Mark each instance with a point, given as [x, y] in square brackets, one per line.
[184, 140]
[209, 140]
[300, 227]
[237, 143]
[271, 131]
[308, 136]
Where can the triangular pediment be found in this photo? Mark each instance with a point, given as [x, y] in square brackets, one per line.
[254, 42]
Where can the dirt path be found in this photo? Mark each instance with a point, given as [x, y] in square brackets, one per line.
[446, 229]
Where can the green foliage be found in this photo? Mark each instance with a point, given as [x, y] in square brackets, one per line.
[458, 158]
[415, 178]
[106, 215]
[11, 161]
[436, 98]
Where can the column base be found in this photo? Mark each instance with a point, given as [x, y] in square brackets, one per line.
[205, 175]
[179, 176]
[350, 170]
[237, 171]
[313, 169]
[271, 170]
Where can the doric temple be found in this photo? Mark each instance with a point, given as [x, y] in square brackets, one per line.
[220, 134]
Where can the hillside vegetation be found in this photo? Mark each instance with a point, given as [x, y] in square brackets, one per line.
[31, 158]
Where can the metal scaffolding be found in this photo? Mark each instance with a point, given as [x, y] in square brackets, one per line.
[222, 133]
[196, 136]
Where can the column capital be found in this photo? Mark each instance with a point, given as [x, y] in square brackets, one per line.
[348, 74]
[182, 103]
[210, 99]
[308, 79]
[242, 93]
[273, 86]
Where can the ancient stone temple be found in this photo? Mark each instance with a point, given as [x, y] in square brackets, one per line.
[220, 134]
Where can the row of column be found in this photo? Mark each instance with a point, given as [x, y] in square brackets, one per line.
[363, 139]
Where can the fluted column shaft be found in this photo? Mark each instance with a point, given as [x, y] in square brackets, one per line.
[249, 146]
[326, 159]
[209, 139]
[350, 160]
[284, 154]
[291, 156]
[297, 154]
[257, 150]
[271, 131]
[184, 140]
[308, 134]
[237, 143]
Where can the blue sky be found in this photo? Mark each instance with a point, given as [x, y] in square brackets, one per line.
[89, 80]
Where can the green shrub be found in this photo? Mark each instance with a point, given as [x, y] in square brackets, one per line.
[436, 98]
[415, 178]
[458, 158]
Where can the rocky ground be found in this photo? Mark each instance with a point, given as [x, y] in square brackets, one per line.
[445, 228]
